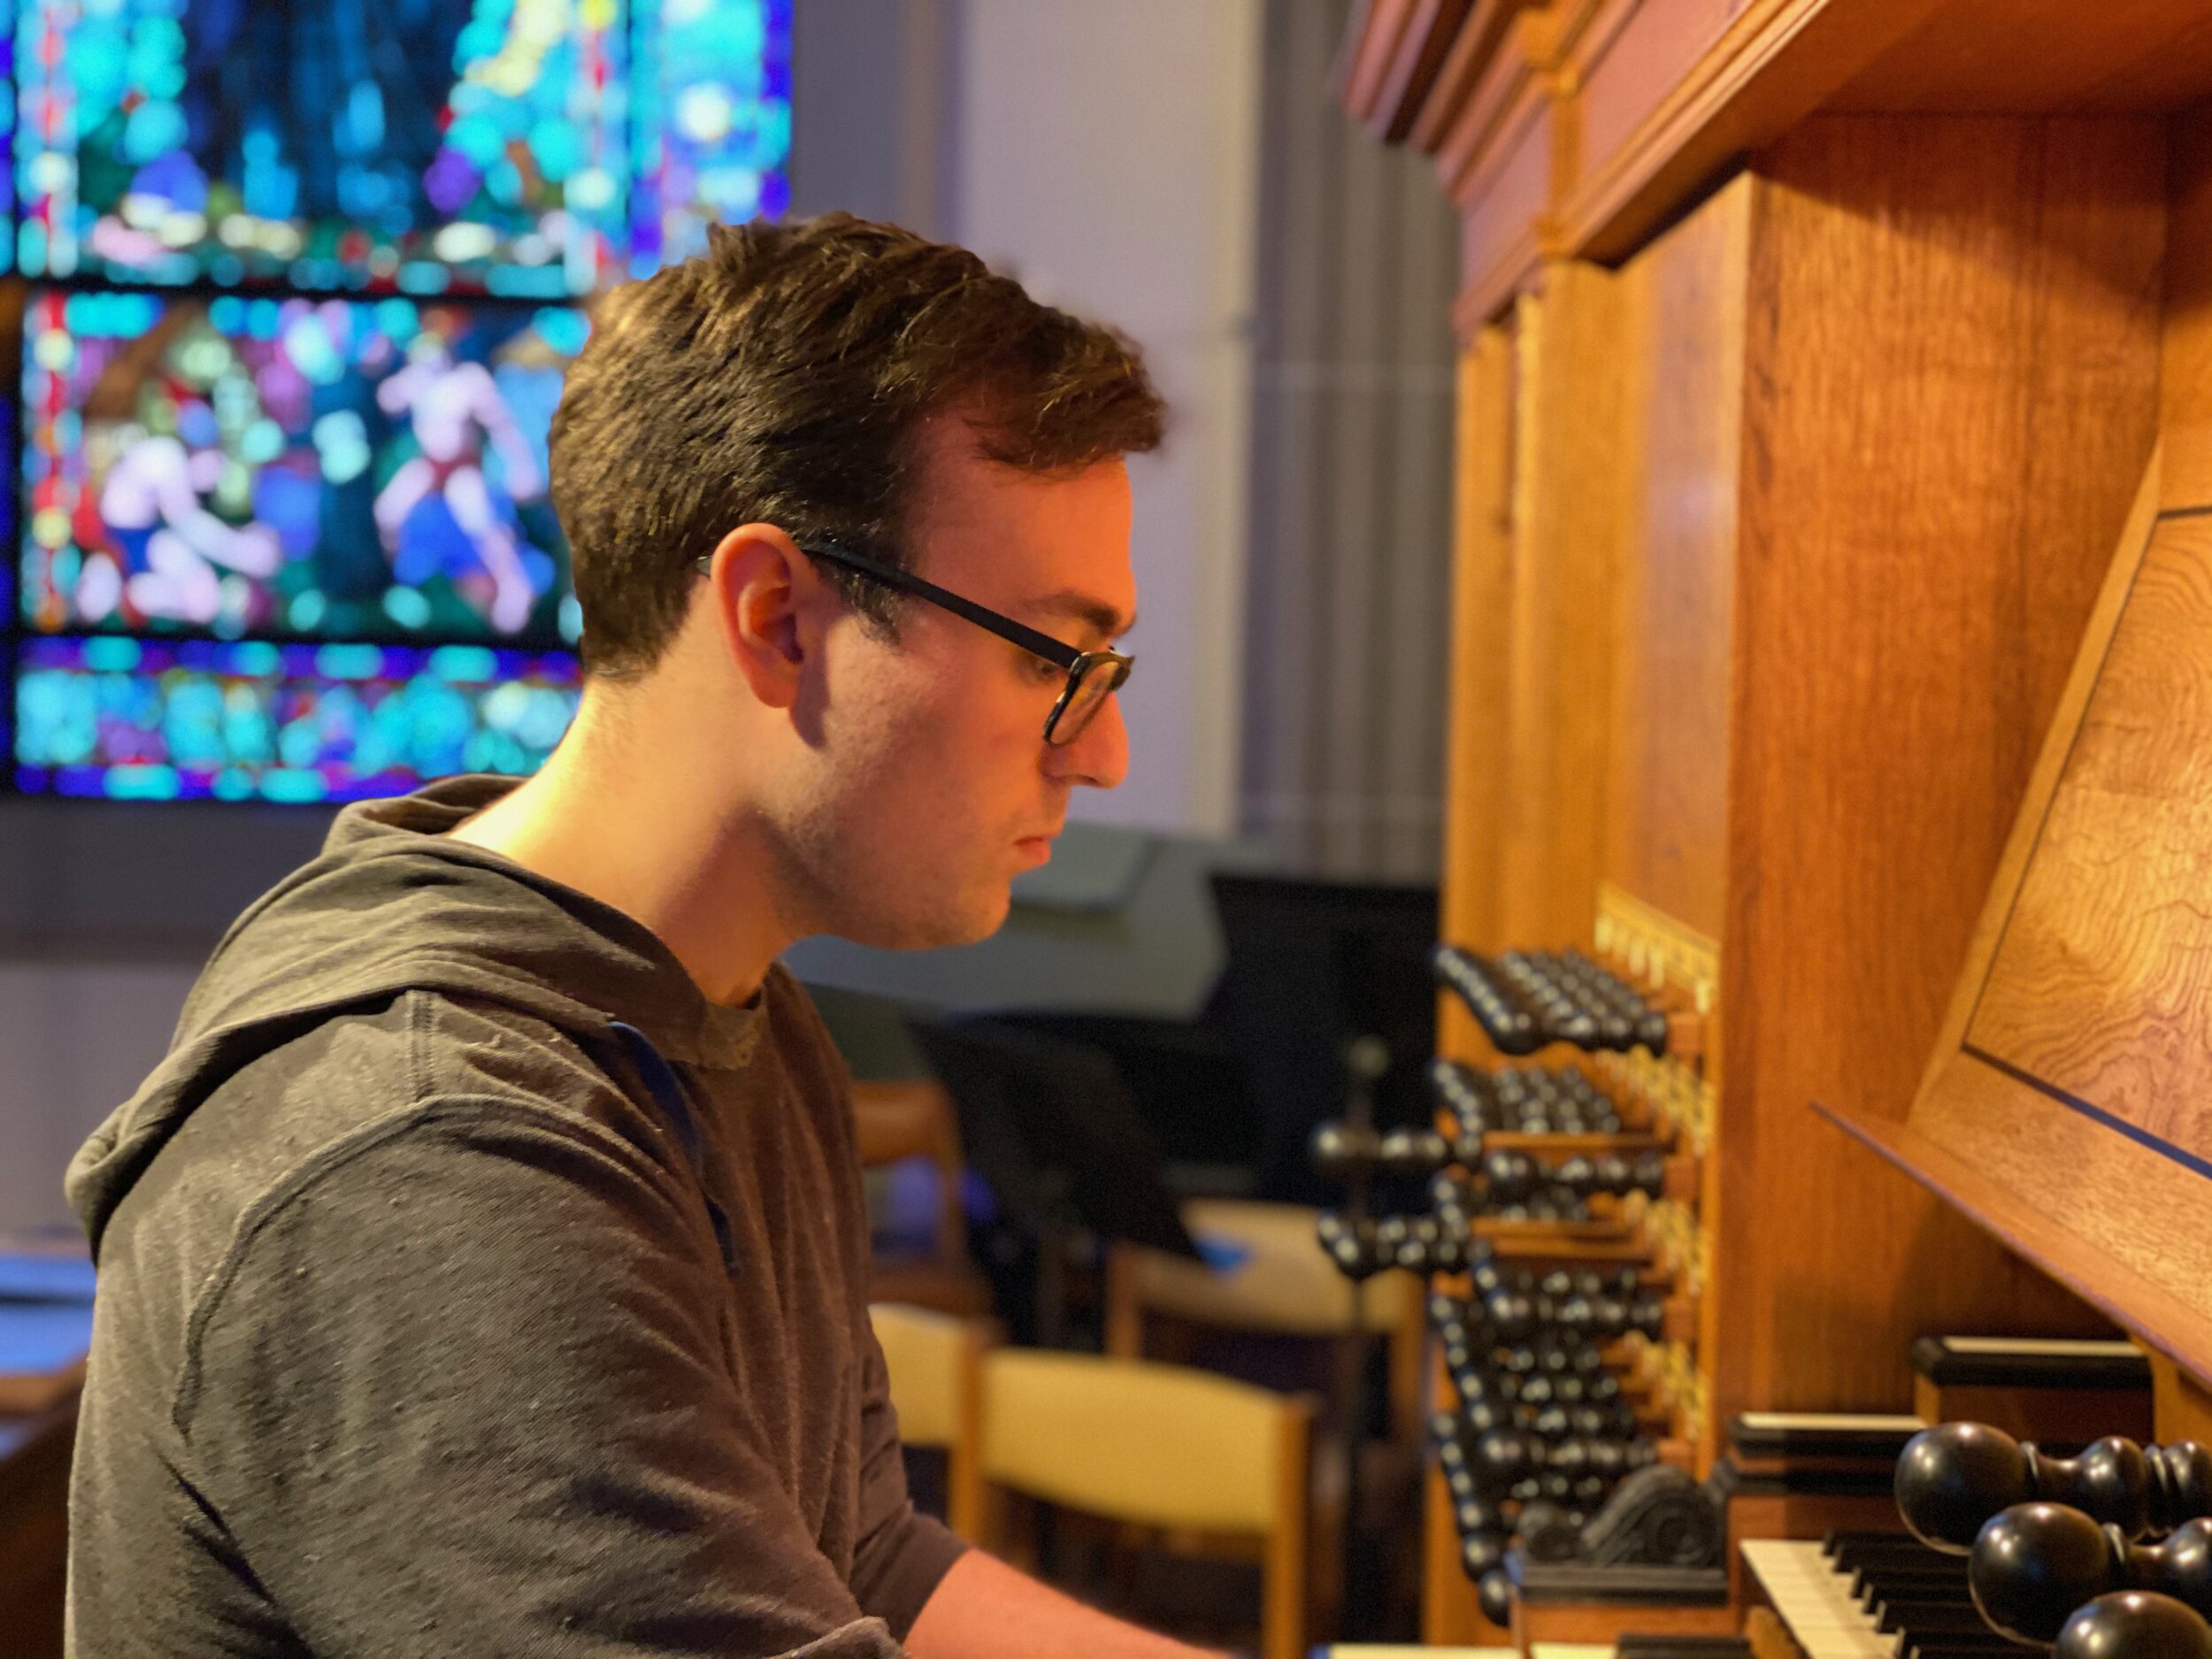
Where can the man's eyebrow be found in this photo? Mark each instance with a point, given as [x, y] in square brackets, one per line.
[1086, 608]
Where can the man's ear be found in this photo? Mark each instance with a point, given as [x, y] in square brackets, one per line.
[766, 601]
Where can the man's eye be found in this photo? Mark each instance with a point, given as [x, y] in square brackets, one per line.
[1046, 672]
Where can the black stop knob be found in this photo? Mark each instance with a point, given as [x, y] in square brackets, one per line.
[2134, 1625]
[1350, 1244]
[1413, 1152]
[1512, 1315]
[1341, 1150]
[1503, 1456]
[1495, 1591]
[1481, 1552]
[1512, 1177]
[2034, 1564]
[1953, 1478]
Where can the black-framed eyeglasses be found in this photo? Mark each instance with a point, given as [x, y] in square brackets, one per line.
[1092, 676]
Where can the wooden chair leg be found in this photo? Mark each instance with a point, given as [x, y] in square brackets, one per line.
[1123, 1333]
[1283, 1575]
[967, 1501]
[1408, 1377]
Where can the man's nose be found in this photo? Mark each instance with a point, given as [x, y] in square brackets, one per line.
[1100, 757]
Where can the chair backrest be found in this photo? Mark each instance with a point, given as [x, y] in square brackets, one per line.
[936, 1366]
[1136, 1441]
[1160, 1445]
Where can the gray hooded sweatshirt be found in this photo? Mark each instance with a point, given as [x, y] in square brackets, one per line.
[471, 1285]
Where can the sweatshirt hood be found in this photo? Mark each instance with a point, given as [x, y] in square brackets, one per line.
[392, 904]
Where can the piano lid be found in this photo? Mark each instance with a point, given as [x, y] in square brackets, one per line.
[2068, 1106]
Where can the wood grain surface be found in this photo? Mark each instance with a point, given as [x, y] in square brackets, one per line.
[1627, 62]
[2185, 388]
[2104, 617]
[1566, 514]
[2128, 1233]
[1775, 64]
[1510, 77]
[1481, 678]
[1414, 64]
[2101, 985]
[1682, 332]
[1936, 309]
[1371, 45]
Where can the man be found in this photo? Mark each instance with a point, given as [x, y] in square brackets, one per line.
[485, 1272]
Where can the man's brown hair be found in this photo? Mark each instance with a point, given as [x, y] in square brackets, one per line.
[782, 376]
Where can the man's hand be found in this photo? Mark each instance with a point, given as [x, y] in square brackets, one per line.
[985, 1609]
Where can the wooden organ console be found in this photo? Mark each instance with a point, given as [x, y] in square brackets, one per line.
[1828, 875]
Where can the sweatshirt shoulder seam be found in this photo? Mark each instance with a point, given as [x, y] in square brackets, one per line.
[328, 1159]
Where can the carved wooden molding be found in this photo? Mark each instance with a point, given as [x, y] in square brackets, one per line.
[1393, 56]
[1473, 48]
[1773, 65]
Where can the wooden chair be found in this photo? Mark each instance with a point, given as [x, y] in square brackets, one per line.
[895, 1121]
[1203, 1461]
[1285, 1284]
[936, 1366]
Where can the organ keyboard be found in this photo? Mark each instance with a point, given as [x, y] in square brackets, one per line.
[1873, 1595]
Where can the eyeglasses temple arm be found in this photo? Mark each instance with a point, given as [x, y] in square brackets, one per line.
[891, 576]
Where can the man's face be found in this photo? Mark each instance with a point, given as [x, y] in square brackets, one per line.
[931, 785]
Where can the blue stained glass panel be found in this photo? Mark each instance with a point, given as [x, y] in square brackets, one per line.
[327, 145]
[198, 718]
[712, 89]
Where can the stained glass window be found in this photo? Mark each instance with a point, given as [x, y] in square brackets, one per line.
[313, 271]
[420, 146]
[168, 720]
[713, 88]
[281, 467]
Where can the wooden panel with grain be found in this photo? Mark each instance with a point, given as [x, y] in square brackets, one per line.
[1481, 679]
[1958, 1170]
[2061, 1107]
[1773, 65]
[1493, 112]
[1952, 374]
[1567, 505]
[2100, 989]
[2100, 1199]
[1682, 331]
[2186, 391]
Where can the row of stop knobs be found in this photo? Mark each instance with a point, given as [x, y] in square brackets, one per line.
[1341, 1151]
[1511, 1182]
[1541, 1432]
[2051, 1543]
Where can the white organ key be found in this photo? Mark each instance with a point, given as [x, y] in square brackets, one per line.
[1814, 1600]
